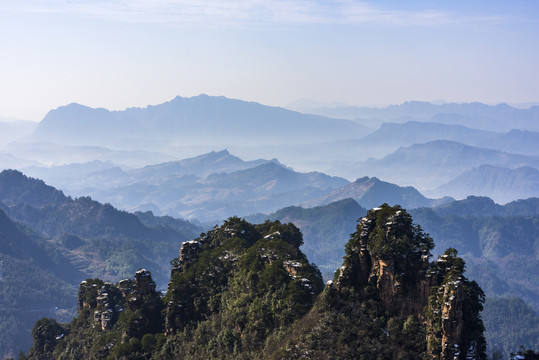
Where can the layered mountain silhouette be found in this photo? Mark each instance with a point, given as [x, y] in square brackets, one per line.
[218, 184]
[501, 184]
[500, 117]
[417, 139]
[207, 187]
[46, 153]
[394, 135]
[428, 165]
[263, 188]
[484, 206]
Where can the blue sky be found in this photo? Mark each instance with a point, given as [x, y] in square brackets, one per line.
[118, 54]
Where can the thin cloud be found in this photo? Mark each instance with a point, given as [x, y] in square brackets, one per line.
[237, 13]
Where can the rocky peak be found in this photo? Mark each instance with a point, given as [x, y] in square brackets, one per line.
[390, 255]
[103, 298]
[208, 265]
[143, 281]
[189, 251]
[105, 301]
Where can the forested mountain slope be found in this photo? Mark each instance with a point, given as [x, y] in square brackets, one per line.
[243, 291]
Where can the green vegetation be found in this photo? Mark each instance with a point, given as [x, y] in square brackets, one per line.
[502, 252]
[326, 229]
[510, 323]
[243, 291]
[497, 242]
[374, 307]
[49, 243]
[232, 288]
[453, 285]
[34, 283]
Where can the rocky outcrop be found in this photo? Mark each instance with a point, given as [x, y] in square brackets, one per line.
[143, 292]
[388, 253]
[205, 266]
[391, 256]
[189, 252]
[103, 299]
[106, 301]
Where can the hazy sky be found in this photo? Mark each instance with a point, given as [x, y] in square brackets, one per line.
[118, 54]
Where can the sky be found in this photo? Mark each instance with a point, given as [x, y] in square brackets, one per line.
[118, 54]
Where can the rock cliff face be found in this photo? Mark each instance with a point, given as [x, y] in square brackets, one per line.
[390, 255]
[107, 300]
[189, 253]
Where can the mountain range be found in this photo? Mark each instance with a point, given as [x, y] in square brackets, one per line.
[417, 139]
[181, 121]
[390, 136]
[501, 184]
[429, 165]
[148, 160]
[371, 192]
[91, 234]
[215, 185]
[499, 118]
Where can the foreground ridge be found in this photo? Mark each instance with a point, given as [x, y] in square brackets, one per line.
[243, 291]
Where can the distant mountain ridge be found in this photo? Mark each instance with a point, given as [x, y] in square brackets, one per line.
[202, 165]
[209, 187]
[481, 206]
[500, 117]
[501, 184]
[218, 184]
[202, 118]
[371, 191]
[394, 135]
[48, 153]
[428, 165]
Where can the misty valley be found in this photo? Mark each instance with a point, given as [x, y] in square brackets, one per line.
[216, 228]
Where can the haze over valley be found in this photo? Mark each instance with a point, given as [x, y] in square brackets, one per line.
[120, 156]
[202, 159]
[269, 180]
